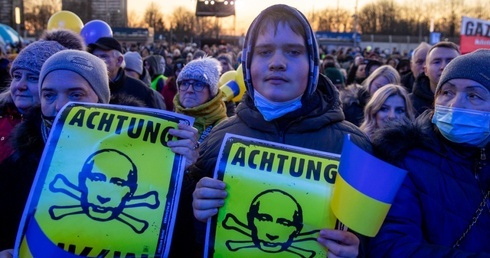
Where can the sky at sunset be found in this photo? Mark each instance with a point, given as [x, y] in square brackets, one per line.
[246, 10]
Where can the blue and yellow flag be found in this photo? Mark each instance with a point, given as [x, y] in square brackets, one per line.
[364, 189]
[107, 185]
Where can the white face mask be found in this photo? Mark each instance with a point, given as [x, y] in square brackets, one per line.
[463, 125]
[272, 110]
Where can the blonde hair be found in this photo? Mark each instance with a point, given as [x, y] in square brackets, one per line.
[369, 125]
[386, 71]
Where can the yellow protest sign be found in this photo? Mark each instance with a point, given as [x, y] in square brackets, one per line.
[278, 200]
[107, 185]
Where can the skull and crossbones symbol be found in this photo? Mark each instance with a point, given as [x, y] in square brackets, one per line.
[271, 230]
[106, 187]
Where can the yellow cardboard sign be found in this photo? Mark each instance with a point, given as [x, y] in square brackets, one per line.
[107, 185]
[278, 200]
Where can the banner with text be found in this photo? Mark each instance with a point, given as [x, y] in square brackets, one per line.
[475, 34]
[278, 200]
[107, 185]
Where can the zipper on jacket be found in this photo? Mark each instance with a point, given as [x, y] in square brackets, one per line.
[480, 163]
[281, 136]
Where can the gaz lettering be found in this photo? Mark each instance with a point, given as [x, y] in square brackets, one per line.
[478, 29]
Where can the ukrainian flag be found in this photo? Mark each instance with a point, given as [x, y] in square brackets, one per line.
[364, 189]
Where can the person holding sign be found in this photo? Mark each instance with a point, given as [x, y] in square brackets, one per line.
[199, 95]
[72, 75]
[287, 101]
[69, 75]
[442, 208]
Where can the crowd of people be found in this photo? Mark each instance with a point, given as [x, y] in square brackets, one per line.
[427, 113]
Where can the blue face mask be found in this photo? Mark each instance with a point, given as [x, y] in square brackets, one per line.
[271, 110]
[463, 125]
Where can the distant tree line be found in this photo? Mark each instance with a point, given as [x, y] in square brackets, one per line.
[387, 17]
[390, 17]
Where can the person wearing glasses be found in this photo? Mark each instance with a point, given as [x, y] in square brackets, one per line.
[198, 96]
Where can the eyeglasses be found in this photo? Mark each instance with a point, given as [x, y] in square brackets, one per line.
[196, 85]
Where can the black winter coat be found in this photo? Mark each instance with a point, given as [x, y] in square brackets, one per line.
[125, 85]
[318, 125]
[422, 96]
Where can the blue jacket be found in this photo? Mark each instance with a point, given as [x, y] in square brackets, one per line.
[435, 205]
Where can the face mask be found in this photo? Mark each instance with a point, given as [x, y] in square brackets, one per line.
[463, 125]
[272, 110]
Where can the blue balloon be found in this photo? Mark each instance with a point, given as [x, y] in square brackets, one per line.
[95, 29]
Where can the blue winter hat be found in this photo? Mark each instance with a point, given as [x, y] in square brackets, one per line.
[284, 12]
[472, 66]
[206, 70]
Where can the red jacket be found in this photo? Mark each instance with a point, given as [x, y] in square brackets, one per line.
[168, 92]
[9, 118]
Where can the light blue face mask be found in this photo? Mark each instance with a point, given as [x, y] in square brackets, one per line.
[271, 110]
[463, 125]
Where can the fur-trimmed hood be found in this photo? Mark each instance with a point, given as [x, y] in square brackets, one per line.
[354, 93]
[392, 142]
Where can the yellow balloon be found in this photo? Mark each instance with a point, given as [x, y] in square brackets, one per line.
[241, 83]
[228, 76]
[65, 20]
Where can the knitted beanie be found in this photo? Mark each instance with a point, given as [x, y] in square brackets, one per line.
[67, 38]
[285, 12]
[90, 67]
[334, 75]
[206, 70]
[34, 55]
[473, 66]
[134, 62]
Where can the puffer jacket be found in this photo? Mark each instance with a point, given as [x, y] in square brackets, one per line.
[435, 205]
[318, 125]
